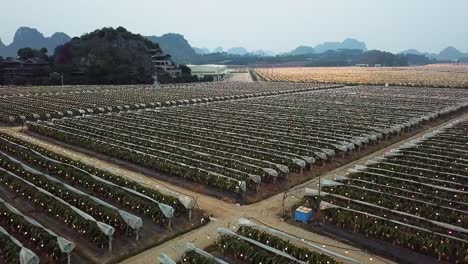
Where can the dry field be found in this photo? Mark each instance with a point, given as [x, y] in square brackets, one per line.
[441, 75]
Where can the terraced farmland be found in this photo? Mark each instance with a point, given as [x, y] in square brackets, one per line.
[42, 103]
[413, 197]
[236, 146]
[54, 208]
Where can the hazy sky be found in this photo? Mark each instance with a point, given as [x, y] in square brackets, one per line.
[279, 25]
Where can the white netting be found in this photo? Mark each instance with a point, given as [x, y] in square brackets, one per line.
[313, 192]
[191, 247]
[105, 228]
[167, 213]
[441, 224]
[273, 173]
[299, 162]
[165, 259]
[224, 231]
[246, 222]
[26, 256]
[133, 221]
[327, 182]
[65, 245]
[185, 200]
[363, 169]
[325, 205]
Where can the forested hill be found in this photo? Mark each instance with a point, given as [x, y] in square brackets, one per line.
[107, 56]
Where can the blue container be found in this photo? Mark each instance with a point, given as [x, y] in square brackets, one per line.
[303, 214]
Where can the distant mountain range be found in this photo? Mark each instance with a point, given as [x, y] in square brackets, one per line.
[302, 50]
[347, 44]
[183, 52]
[31, 37]
[448, 54]
[201, 51]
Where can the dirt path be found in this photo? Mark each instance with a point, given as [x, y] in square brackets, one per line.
[239, 77]
[226, 214]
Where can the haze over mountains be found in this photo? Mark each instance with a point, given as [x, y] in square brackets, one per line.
[183, 52]
[449, 53]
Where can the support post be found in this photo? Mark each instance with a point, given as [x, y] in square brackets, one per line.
[110, 243]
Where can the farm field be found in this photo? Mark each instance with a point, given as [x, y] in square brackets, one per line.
[254, 243]
[18, 104]
[412, 197]
[423, 76]
[246, 146]
[56, 209]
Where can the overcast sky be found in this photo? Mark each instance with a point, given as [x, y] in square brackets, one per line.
[279, 25]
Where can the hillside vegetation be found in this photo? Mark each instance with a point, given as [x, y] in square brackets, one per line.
[106, 56]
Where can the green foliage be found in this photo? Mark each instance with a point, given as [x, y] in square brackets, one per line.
[192, 257]
[186, 71]
[29, 53]
[285, 246]
[106, 56]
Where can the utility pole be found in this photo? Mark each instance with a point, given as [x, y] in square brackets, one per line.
[62, 79]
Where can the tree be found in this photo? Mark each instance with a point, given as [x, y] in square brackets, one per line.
[26, 53]
[107, 56]
[29, 53]
[186, 71]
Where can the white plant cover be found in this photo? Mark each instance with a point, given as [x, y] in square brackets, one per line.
[407, 198]
[412, 181]
[191, 247]
[133, 221]
[390, 154]
[105, 228]
[331, 152]
[357, 141]
[313, 192]
[255, 178]
[341, 178]
[372, 161]
[417, 153]
[65, 245]
[165, 259]
[425, 169]
[441, 224]
[309, 160]
[327, 182]
[299, 162]
[325, 205]
[246, 222]
[224, 231]
[273, 173]
[243, 186]
[282, 168]
[166, 209]
[26, 256]
[407, 145]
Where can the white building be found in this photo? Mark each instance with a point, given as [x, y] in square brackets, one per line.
[164, 64]
[218, 72]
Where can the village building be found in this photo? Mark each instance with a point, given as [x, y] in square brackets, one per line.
[164, 64]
